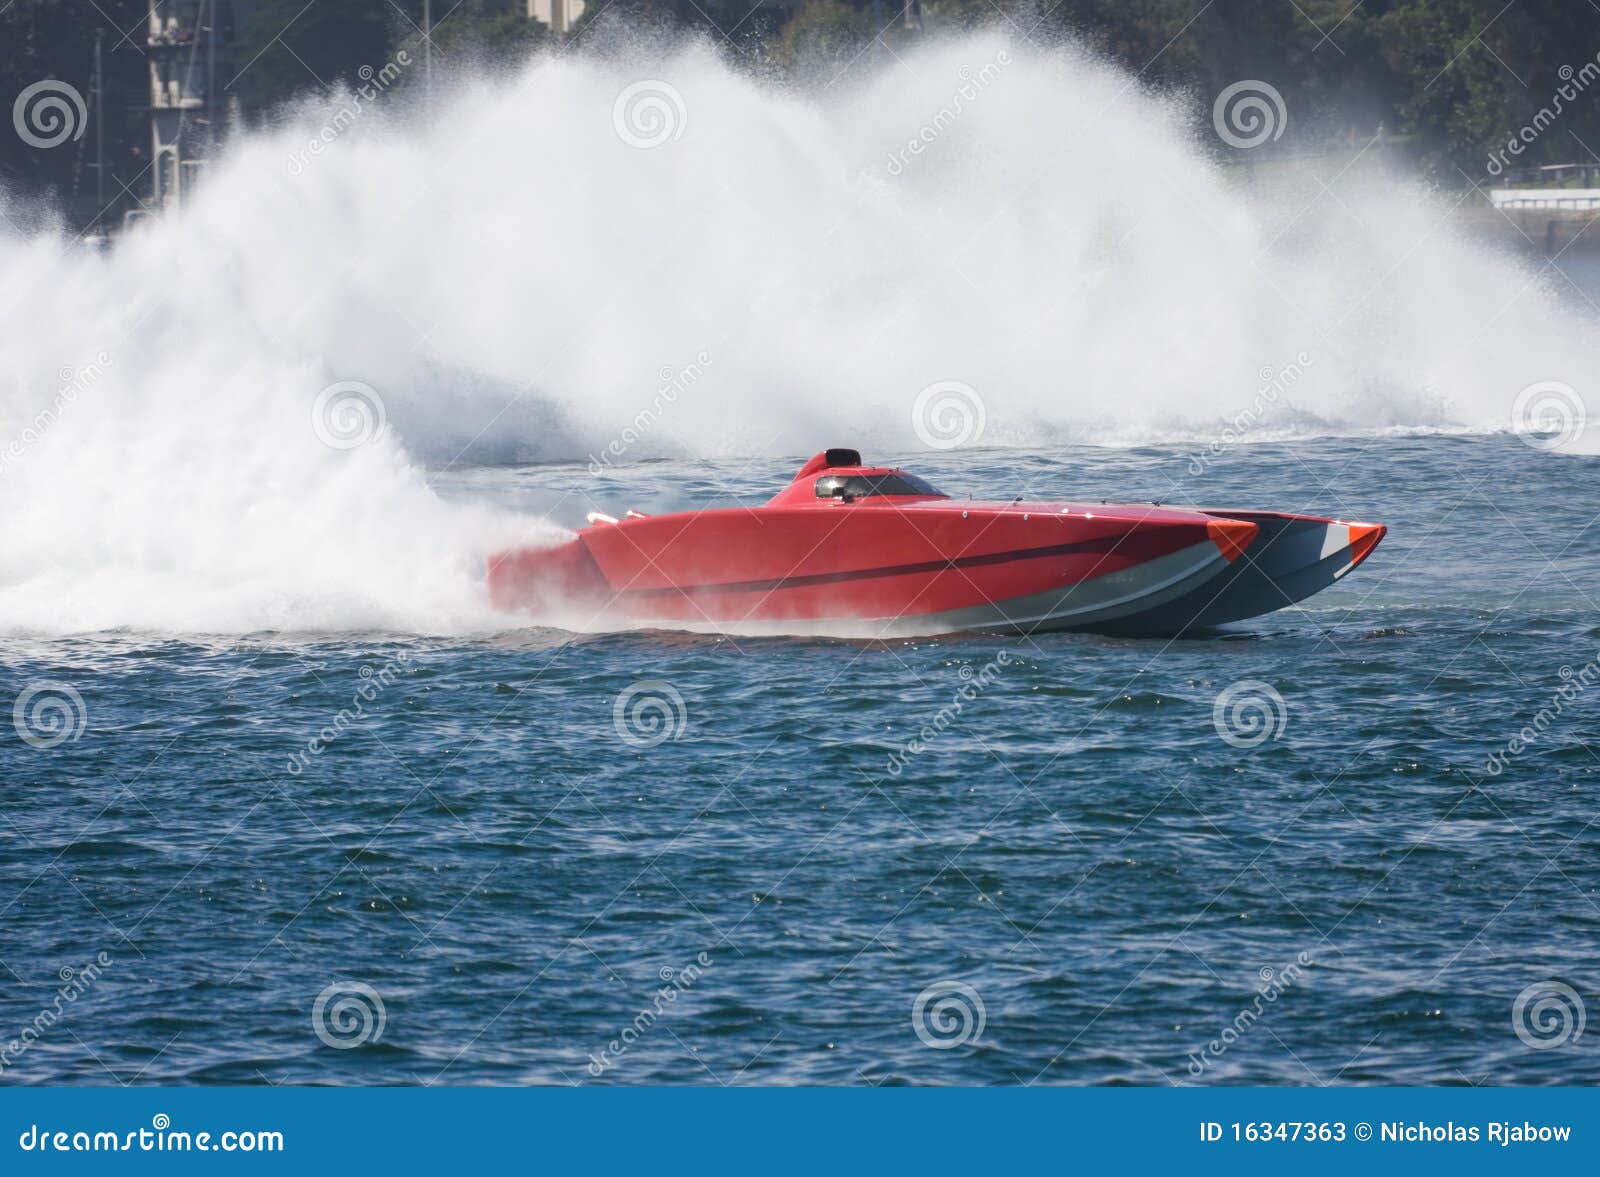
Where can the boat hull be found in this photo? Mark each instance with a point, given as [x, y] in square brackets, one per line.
[1291, 558]
[877, 570]
[874, 551]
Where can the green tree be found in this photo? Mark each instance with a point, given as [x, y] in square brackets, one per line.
[822, 38]
[494, 32]
[285, 47]
[44, 40]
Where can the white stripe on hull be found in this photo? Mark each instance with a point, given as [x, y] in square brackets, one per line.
[1089, 602]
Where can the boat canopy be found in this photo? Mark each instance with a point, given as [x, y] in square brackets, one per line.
[861, 486]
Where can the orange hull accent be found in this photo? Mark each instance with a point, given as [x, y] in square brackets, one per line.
[1232, 536]
[1363, 538]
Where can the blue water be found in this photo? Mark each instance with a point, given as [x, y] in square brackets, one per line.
[1079, 847]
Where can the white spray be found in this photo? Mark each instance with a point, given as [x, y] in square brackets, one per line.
[517, 272]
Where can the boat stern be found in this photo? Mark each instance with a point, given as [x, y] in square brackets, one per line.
[554, 580]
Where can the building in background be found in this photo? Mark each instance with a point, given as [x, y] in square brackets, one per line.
[185, 42]
[559, 15]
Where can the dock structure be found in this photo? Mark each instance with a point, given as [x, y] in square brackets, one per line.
[183, 42]
[1554, 207]
[1568, 199]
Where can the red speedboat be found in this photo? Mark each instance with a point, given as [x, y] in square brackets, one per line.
[857, 549]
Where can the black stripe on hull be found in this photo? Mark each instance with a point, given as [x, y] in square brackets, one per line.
[1102, 545]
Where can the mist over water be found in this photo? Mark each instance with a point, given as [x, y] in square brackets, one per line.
[517, 281]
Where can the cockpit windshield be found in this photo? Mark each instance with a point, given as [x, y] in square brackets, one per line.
[861, 486]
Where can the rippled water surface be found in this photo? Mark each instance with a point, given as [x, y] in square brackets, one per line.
[1077, 858]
